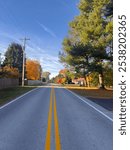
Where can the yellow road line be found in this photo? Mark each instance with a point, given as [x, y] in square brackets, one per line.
[48, 133]
[57, 135]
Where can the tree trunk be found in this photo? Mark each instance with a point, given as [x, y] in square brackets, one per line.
[84, 82]
[88, 82]
[101, 81]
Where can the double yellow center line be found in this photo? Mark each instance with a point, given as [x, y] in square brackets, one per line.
[49, 126]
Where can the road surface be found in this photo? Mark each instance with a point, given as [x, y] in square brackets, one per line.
[54, 119]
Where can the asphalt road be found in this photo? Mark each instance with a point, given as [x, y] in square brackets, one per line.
[106, 103]
[54, 119]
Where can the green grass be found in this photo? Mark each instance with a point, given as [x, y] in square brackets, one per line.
[8, 94]
[94, 93]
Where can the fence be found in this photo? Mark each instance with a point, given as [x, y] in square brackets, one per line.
[8, 82]
[35, 82]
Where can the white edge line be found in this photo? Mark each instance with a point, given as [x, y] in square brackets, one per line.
[91, 105]
[17, 98]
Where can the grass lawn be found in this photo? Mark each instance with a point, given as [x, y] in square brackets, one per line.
[8, 94]
[94, 93]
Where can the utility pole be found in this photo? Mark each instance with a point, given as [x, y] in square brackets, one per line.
[23, 69]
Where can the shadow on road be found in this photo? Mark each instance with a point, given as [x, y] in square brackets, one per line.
[106, 103]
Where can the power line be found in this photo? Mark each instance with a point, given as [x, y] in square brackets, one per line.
[23, 69]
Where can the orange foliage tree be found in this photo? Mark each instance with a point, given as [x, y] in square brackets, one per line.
[33, 70]
[9, 72]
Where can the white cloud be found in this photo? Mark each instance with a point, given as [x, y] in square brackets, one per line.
[48, 60]
[10, 37]
[46, 29]
[3, 48]
[50, 63]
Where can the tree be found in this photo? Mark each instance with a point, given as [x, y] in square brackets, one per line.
[33, 69]
[46, 75]
[9, 72]
[14, 57]
[75, 55]
[67, 75]
[94, 79]
[108, 10]
[43, 79]
[108, 74]
[90, 36]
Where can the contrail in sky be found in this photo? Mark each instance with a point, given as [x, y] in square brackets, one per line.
[46, 29]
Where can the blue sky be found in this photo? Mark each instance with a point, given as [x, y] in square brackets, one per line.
[45, 22]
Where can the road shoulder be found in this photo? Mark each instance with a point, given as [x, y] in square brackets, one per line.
[106, 113]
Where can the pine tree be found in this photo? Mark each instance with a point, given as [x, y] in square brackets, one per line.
[14, 57]
[90, 37]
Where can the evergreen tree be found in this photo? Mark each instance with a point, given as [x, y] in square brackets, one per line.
[14, 57]
[90, 38]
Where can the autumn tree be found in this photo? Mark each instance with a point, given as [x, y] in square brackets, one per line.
[9, 72]
[33, 69]
[67, 75]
